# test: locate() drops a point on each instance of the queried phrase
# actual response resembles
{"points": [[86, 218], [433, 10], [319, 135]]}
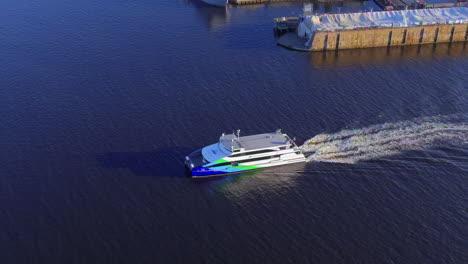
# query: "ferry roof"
{"points": [[260, 141]]}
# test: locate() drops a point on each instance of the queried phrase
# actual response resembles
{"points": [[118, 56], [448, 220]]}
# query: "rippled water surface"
{"points": [[101, 100]]}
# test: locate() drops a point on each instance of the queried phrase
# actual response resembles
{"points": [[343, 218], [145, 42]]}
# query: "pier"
{"points": [[390, 5], [223, 3], [249, 2]]}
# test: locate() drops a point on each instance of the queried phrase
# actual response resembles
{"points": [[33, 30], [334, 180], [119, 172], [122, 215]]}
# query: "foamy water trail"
{"points": [[354, 145]]}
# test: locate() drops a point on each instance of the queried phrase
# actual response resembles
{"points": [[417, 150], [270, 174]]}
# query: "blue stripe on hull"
{"points": [[202, 171], [207, 173]]}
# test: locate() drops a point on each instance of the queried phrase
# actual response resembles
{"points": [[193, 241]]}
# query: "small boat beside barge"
{"points": [[234, 153]]}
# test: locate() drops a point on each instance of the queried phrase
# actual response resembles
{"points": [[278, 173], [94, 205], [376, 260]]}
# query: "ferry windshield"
{"points": [[197, 159]]}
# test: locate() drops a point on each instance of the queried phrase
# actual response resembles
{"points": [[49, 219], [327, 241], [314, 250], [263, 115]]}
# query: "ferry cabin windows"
{"points": [[259, 151], [262, 158], [252, 153]]}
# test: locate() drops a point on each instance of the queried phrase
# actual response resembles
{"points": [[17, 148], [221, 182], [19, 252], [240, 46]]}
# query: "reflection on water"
{"points": [[214, 17], [275, 180], [384, 55]]}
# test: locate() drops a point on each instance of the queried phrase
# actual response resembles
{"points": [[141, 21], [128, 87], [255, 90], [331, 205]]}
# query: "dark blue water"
{"points": [[100, 100]]}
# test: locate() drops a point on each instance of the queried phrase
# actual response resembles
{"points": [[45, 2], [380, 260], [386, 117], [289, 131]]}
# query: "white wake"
{"points": [[354, 145]]}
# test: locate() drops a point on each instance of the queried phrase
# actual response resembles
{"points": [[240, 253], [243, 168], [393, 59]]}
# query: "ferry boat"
{"points": [[234, 153]]}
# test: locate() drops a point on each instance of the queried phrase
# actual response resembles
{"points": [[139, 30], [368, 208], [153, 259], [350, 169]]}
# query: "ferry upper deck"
{"points": [[260, 141]]}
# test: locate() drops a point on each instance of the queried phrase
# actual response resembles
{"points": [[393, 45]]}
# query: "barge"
{"points": [[379, 29]]}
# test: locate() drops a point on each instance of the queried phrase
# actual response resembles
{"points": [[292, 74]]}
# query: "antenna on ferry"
{"points": [[238, 133], [278, 131]]}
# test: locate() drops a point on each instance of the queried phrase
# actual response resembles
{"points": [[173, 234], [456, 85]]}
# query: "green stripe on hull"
{"points": [[239, 167], [242, 167]]}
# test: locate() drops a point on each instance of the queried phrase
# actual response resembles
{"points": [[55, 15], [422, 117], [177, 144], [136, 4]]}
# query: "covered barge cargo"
{"points": [[380, 29]]}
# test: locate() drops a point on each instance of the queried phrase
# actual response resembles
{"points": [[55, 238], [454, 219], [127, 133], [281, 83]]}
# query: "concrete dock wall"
{"points": [[386, 37]]}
